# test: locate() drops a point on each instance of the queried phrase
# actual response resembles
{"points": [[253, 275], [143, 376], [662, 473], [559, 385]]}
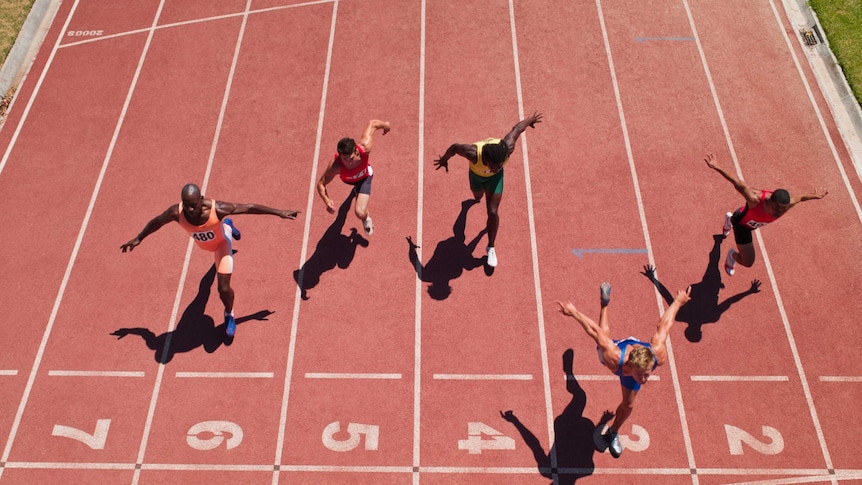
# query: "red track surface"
{"points": [[115, 116]]}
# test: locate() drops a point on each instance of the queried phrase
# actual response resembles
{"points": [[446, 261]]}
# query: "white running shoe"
{"points": [[730, 263], [728, 224], [368, 225], [492, 257]]}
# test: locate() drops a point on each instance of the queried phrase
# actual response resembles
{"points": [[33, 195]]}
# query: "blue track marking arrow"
{"points": [[580, 252], [671, 39]]}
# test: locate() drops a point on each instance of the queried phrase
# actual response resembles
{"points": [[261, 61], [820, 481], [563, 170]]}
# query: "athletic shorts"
{"points": [[741, 234], [363, 186], [489, 185]]}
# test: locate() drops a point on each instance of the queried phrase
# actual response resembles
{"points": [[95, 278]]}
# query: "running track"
{"points": [[365, 375]]}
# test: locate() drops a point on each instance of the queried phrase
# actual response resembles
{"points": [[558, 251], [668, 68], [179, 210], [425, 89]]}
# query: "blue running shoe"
{"points": [[231, 325], [233, 230]]}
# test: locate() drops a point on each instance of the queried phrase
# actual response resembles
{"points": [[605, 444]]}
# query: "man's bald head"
{"points": [[190, 194]]}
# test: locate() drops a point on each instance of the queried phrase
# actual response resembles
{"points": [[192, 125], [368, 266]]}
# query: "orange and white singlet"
{"points": [[209, 235]]}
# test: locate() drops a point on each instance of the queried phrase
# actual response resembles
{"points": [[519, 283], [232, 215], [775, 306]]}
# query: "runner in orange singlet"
{"points": [[205, 220]]}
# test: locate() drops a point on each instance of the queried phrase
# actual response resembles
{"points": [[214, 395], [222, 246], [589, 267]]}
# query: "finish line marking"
{"points": [[580, 252]]}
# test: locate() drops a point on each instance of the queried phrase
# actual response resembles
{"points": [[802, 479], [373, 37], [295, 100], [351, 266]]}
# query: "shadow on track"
{"points": [[704, 307], [194, 329], [451, 257], [573, 444], [333, 249]]}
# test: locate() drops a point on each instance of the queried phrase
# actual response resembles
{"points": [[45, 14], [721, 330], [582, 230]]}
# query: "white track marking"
{"points": [[484, 377], [840, 378], [765, 255], [534, 253], [95, 373], [187, 22], [294, 322], [333, 375], [417, 298], [8, 372], [224, 375], [603, 377], [145, 436], [816, 108], [740, 378], [32, 99], [81, 232], [689, 451]]}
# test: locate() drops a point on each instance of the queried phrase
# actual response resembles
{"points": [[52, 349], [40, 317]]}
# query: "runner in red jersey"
{"points": [[761, 207], [350, 163], [205, 221]]}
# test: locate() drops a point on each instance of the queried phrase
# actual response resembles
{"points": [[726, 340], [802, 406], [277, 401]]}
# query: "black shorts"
{"points": [[741, 234]]}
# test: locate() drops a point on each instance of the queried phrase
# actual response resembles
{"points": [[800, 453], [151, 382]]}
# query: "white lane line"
{"points": [[603, 377], [534, 253], [816, 108], [189, 22], [225, 375], [306, 231], [484, 377], [78, 241], [740, 378], [840, 378], [204, 184], [95, 373], [10, 372], [36, 89], [420, 196], [335, 375], [686, 435], [797, 360]]}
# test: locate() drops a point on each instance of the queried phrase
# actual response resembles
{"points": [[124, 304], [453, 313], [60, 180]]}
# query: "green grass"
{"points": [[842, 23], [12, 16]]}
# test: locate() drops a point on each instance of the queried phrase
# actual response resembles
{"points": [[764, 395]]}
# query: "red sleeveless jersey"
{"points": [[357, 173], [756, 216]]}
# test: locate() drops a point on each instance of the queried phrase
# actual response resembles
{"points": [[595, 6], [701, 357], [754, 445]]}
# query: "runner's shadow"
{"points": [[333, 249], [194, 329], [704, 307], [573, 445], [451, 257]]}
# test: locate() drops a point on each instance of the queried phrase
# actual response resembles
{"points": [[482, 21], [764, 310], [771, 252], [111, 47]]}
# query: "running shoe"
{"points": [[606, 293], [727, 224], [233, 230], [492, 256], [368, 225], [730, 263], [230, 325], [614, 445]]}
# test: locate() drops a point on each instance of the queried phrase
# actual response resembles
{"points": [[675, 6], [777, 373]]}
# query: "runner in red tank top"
{"points": [[350, 163], [761, 207], [205, 220]]}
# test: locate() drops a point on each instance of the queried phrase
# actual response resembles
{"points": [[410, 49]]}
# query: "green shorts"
{"points": [[489, 185]]}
